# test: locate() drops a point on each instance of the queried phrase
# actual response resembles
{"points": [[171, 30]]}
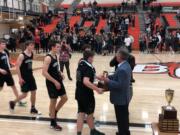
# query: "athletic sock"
{"points": [[53, 122], [32, 107]]}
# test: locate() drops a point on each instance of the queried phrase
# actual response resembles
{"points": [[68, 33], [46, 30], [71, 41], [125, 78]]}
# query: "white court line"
{"points": [[148, 130]]}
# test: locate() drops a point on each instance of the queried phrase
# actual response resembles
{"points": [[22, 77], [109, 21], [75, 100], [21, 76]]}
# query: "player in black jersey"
{"points": [[54, 83], [5, 73], [84, 93], [26, 78]]}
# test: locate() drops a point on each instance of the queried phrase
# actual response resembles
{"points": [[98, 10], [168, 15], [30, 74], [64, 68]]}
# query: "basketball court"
{"points": [[149, 96]]}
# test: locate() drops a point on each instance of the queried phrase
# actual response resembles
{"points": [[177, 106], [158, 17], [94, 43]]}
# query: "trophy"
{"points": [[169, 97], [168, 121], [105, 74], [102, 84]]}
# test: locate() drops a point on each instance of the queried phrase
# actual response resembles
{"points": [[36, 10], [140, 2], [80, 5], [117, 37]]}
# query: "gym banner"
{"points": [[171, 68]]}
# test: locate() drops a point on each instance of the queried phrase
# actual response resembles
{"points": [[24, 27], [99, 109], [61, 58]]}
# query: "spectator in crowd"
{"points": [[128, 42], [142, 42], [64, 58], [178, 14], [12, 42], [37, 43]]}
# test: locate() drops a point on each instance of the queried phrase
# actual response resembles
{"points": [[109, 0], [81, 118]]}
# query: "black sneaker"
{"points": [[12, 105], [57, 127], [70, 79], [35, 111], [96, 132]]}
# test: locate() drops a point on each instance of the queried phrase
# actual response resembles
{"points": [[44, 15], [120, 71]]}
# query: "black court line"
{"points": [[39, 118]]}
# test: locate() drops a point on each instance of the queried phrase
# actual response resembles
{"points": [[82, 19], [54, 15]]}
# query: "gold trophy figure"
{"points": [[169, 97]]}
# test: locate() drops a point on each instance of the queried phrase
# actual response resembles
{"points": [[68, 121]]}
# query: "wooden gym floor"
{"points": [[144, 108]]}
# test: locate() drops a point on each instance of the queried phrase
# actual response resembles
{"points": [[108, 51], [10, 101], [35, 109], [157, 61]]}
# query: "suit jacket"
{"points": [[119, 85]]}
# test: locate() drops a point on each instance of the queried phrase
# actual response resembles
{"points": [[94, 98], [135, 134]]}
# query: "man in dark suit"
{"points": [[131, 60], [120, 95]]}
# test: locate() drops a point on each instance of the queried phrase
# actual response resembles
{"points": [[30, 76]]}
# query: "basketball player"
{"points": [[84, 93], [54, 83], [5, 73], [85, 48], [26, 78]]}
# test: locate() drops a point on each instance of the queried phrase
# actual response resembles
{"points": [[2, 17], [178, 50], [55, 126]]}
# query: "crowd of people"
{"points": [[124, 6], [104, 41], [107, 40], [157, 38], [43, 19]]}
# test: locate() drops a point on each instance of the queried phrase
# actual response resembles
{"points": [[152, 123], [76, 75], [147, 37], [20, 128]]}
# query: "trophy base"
{"points": [[168, 121], [169, 112], [168, 125], [157, 131], [103, 86]]}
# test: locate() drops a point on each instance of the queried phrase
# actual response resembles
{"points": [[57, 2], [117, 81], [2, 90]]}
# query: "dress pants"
{"points": [[66, 64], [122, 116]]}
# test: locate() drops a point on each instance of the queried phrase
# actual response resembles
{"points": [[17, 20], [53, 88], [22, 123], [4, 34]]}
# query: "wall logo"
{"points": [[172, 68]]}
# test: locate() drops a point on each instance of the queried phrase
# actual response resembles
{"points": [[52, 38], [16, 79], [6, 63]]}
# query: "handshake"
{"points": [[102, 84]]}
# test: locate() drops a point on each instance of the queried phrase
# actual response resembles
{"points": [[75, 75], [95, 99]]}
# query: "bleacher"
{"points": [[73, 20], [166, 19], [50, 28], [170, 17]]}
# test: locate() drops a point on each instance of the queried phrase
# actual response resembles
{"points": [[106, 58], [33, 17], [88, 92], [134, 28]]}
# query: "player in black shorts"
{"points": [[5, 73], [26, 78], [54, 83], [84, 93]]}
